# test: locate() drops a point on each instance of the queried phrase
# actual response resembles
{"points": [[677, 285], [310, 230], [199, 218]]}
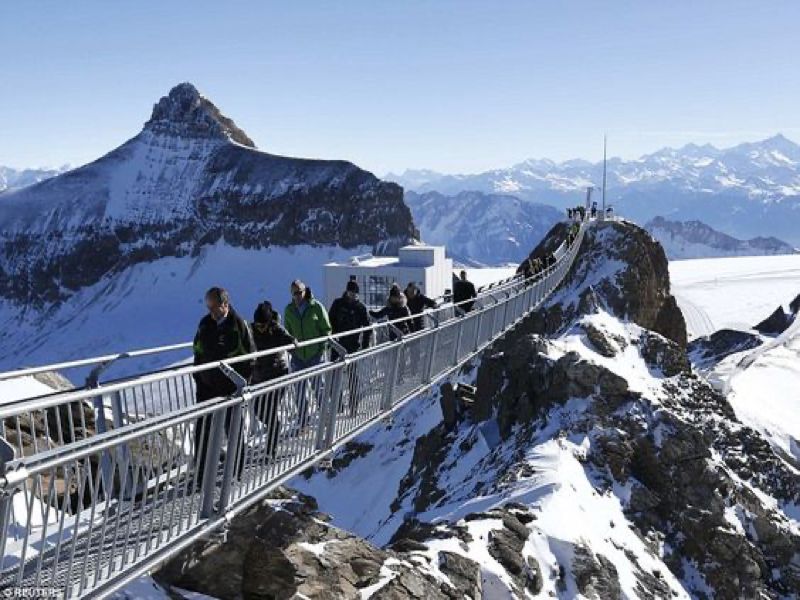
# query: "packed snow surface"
{"points": [[733, 293], [119, 313], [763, 385]]}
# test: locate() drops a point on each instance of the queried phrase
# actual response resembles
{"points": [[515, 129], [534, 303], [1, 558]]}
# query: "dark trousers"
{"points": [[304, 390], [267, 409], [202, 438]]}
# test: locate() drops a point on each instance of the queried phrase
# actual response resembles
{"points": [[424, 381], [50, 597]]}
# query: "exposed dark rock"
{"points": [[290, 551], [599, 341], [794, 305], [463, 572], [776, 323], [709, 350], [663, 354], [595, 575], [624, 270]]}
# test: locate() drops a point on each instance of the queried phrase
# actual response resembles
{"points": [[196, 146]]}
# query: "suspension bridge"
{"points": [[102, 484]]}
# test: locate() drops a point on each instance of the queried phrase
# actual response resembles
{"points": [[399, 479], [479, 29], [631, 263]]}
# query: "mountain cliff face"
{"points": [[481, 229], [619, 268], [189, 179], [749, 190], [693, 239]]}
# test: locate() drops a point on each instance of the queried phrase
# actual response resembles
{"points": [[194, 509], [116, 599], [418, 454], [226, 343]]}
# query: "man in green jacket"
{"points": [[305, 319]]}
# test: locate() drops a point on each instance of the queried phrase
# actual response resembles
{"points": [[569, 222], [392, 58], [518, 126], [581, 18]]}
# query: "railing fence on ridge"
{"points": [[87, 503]]}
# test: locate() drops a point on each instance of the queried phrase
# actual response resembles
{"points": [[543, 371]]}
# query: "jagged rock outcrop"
{"points": [[286, 549], [189, 179], [695, 239], [709, 350], [621, 268], [776, 323]]}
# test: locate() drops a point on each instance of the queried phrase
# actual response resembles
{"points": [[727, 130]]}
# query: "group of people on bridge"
{"points": [[223, 334]]}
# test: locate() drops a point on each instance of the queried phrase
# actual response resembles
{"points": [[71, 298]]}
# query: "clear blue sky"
{"points": [[454, 86]]}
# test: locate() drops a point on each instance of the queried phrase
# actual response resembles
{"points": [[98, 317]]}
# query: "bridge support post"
{"points": [[234, 452], [334, 400], [426, 374], [123, 451], [391, 376], [211, 466], [6, 498]]}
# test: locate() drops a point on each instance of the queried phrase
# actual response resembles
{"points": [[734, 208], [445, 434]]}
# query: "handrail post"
{"points": [[428, 369], [334, 400], [236, 447], [6, 497], [210, 468], [391, 376], [457, 345], [218, 421], [478, 332]]}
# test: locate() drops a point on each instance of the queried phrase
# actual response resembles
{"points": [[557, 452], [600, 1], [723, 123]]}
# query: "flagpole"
{"points": [[604, 175]]}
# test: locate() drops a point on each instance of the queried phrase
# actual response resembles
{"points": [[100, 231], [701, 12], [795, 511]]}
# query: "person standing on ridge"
{"points": [[463, 290], [222, 334]]}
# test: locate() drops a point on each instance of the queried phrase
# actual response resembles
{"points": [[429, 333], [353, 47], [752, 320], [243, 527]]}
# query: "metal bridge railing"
{"points": [[86, 504]]}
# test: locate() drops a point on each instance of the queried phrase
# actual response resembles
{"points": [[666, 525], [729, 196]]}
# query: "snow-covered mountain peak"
{"points": [[185, 112]]}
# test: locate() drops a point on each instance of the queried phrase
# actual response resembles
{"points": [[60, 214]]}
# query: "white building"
{"points": [[424, 265]]}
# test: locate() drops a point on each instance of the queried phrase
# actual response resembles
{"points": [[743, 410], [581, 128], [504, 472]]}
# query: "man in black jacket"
{"points": [[464, 289], [348, 313], [222, 334]]}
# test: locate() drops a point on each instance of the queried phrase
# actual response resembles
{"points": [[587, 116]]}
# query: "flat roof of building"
{"points": [[371, 261]]}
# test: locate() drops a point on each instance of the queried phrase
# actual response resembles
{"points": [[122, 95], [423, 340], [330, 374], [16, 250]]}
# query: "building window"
{"points": [[377, 290]]}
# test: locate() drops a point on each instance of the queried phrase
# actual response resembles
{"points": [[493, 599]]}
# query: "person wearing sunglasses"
{"points": [[222, 334], [305, 319]]}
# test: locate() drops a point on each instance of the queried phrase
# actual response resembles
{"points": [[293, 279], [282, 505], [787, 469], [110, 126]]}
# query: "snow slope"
{"points": [[762, 385], [156, 303], [734, 293], [548, 472]]}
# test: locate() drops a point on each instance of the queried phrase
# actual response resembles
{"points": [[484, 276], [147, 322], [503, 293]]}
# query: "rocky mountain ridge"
{"points": [[189, 179], [481, 229], [11, 179], [693, 239]]}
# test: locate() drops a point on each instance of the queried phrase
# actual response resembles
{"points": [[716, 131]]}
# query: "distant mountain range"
{"points": [[693, 239], [750, 190], [11, 178], [481, 229]]}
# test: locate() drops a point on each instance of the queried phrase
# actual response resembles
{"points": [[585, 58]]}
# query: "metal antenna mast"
{"points": [[604, 175]]}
